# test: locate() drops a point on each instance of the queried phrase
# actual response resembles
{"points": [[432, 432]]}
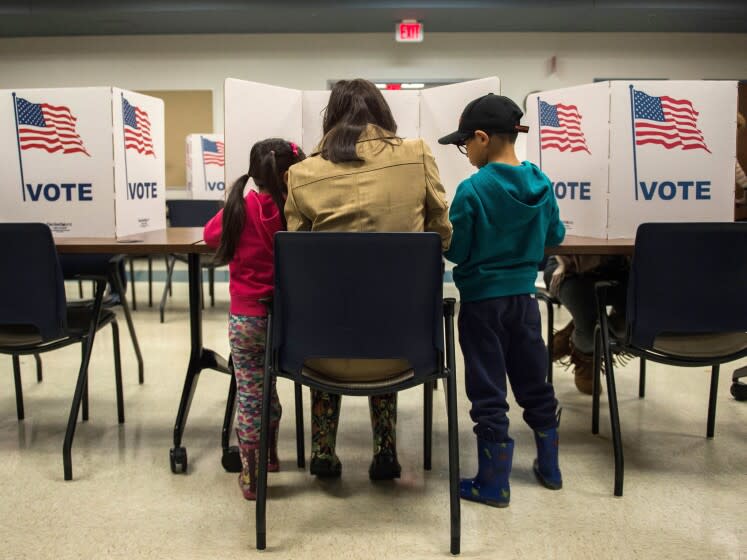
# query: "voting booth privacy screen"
{"points": [[89, 162], [255, 111], [206, 162], [627, 152]]}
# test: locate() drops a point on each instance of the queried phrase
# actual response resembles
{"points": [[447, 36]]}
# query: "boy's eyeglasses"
{"points": [[462, 148]]}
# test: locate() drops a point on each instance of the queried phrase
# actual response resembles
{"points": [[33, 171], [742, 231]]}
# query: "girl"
{"points": [[243, 234]]}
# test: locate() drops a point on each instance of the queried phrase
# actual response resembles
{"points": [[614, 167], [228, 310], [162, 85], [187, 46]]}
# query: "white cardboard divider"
{"points": [[571, 145], [650, 182], [253, 112], [440, 108], [65, 162], [206, 166], [430, 114], [670, 158]]}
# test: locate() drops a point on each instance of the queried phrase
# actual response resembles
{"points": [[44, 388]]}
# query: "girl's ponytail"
{"points": [[234, 217]]}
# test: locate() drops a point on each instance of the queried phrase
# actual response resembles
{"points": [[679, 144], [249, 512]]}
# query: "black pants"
{"points": [[502, 337]]}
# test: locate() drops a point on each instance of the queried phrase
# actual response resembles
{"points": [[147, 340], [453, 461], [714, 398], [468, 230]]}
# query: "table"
{"points": [[174, 240], [576, 245], [189, 241]]}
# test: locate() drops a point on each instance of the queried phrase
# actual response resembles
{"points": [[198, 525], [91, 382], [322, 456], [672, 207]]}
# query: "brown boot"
{"points": [[273, 463], [561, 342], [583, 371], [249, 470]]}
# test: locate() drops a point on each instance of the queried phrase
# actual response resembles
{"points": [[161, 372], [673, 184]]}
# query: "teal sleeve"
{"points": [[462, 217], [555, 229]]}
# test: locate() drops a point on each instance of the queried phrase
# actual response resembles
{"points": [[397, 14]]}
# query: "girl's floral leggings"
{"points": [[247, 338]]}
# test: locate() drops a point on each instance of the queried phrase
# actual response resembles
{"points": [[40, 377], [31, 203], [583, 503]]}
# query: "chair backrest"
{"points": [[358, 295], [687, 278], [192, 213], [32, 291]]}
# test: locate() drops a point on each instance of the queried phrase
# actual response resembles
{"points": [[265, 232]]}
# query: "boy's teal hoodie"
{"points": [[503, 216]]}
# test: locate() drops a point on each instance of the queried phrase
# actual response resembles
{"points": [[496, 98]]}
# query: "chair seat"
{"points": [[701, 345], [358, 373], [78, 322]]}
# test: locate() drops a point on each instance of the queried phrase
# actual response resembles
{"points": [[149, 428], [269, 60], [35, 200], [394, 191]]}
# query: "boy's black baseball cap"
{"points": [[491, 113]]}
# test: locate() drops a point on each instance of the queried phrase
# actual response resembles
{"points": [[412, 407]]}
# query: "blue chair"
{"points": [[685, 307], [361, 295], [189, 213], [35, 318]]}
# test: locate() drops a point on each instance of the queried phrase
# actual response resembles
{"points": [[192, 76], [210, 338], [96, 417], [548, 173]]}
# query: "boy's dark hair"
{"points": [[509, 137], [268, 161], [353, 105]]}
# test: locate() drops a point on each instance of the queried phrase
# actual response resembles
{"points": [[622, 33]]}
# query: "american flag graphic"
{"points": [[560, 128], [136, 129], [47, 127], [212, 152], [669, 122]]}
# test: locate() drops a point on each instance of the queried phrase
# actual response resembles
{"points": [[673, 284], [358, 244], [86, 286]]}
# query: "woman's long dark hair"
{"points": [[268, 162], [353, 105]]}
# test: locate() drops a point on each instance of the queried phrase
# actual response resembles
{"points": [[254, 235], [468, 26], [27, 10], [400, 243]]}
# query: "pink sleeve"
{"points": [[211, 233]]}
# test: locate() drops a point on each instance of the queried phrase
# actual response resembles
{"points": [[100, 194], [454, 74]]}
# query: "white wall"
{"points": [[521, 60]]}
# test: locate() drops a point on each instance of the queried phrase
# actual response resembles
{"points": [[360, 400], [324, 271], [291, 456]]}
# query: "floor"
{"points": [[684, 494]]}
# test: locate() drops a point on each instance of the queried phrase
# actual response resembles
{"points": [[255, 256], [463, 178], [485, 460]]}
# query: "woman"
{"points": [[363, 178]]}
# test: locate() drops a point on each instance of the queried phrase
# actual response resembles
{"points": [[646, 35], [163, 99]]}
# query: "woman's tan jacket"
{"points": [[395, 188]]}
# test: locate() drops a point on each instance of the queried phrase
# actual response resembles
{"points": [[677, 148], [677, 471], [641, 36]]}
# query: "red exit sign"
{"points": [[409, 31]]}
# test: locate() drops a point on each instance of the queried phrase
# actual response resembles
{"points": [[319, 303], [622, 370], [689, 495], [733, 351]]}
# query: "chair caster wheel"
{"points": [[178, 460], [231, 459], [739, 391]]}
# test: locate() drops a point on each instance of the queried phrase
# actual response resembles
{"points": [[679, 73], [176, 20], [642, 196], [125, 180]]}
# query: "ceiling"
{"points": [[34, 18]]}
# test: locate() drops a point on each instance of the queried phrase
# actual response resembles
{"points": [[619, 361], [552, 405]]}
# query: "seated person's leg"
{"points": [[576, 293], [325, 416], [384, 425]]}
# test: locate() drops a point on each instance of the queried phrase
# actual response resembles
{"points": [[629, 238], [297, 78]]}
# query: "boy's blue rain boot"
{"points": [[490, 486], [546, 467]]}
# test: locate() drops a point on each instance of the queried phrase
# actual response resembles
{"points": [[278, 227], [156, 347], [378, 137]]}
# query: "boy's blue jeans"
{"points": [[501, 338]]}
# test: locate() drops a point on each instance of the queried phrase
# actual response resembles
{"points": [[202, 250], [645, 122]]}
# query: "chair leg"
{"points": [[614, 415], [642, 378], [80, 289], [150, 282], [118, 373], [85, 410], [39, 375], [596, 380], [132, 283], [712, 401], [427, 424], [67, 445], [19, 387], [261, 507], [170, 260], [300, 451], [168, 282], [117, 282], [550, 337], [451, 406]]}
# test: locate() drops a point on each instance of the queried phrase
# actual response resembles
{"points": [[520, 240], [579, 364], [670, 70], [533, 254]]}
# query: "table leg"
{"points": [[200, 358]]}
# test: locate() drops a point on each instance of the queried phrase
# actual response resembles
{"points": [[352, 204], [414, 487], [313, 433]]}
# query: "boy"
{"points": [[503, 216]]}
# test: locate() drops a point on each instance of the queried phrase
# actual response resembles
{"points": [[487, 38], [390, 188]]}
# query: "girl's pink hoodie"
{"points": [[251, 269]]}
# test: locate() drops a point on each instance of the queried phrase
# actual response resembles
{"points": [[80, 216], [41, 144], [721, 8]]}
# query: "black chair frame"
{"points": [[80, 396], [446, 369], [604, 346]]}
